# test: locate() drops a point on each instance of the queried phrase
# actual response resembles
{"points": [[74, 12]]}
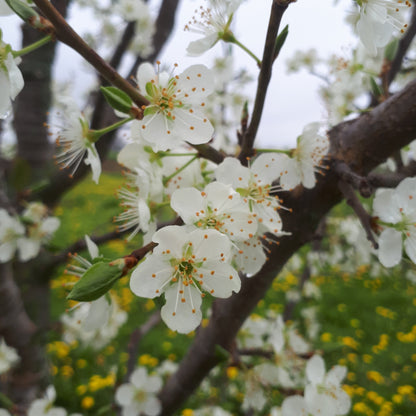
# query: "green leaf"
{"points": [[280, 41], [96, 281], [391, 49], [375, 88], [118, 99], [221, 353], [21, 8]]}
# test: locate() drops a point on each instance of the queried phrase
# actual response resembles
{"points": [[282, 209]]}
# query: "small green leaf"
{"points": [[280, 41], [22, 9], [391, 49], [375, 88], [96, 281], [118, 99], [221, 353]]}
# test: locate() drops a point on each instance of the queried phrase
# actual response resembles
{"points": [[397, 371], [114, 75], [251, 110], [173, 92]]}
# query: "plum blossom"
{"points": [[136, 197], [131, 10], [11, 79], [8, 357], [213, 23], [38, 233], [75, 140], [219, 207], [14, 236], [377, 21], [44, 406], [11, 234], [396, 211], [254, 184], [176, 103], [139, 395], [307, 159], [324, 395], [182, 266]]}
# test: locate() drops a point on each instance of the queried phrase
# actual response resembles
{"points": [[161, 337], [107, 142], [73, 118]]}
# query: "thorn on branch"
{"points": [[362, 214]]}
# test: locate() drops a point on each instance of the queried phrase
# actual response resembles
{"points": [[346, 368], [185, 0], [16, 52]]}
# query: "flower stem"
{"points": [[244, 48], [168, 178], [166, 154], [286, 152], [96, 134], [32, 47]]}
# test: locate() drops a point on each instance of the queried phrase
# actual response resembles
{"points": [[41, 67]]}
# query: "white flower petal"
{"points": [[294, 405], [390, 247], [150, 276], [125, 394], [315, 369], [181, 312], [92, 247], [230, 171], [219, 279]]}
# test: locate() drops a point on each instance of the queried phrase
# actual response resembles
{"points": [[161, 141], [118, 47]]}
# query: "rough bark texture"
{"points": [[363, 144], [19, 331]]}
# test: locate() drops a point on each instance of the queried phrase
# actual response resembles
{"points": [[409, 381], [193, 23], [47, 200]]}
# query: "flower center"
{"points": [[140, 396]]}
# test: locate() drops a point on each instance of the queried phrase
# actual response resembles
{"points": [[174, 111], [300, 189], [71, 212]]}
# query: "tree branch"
{"points": [[359, 210], [263, 81], [65, 33]]}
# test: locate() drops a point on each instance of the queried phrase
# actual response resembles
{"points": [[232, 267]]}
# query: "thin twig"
{"points": [[65, 33], [362, 214], [135, 338], [263, 80], [358, 182]]}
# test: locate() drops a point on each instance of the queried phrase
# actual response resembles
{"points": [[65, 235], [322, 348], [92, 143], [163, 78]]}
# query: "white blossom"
{"points": [[307, 159], [219, 207], [11, 234], [139, 395], [212, 22], [378, 19], [44, 406], [8, 357], [11, 79], [74, 142], [183, 266], [175, 113], [254, 184], [396, 210], [324, 395]]}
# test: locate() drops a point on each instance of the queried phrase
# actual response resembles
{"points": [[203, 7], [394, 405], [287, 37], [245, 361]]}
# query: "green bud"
{"points": [[118, 99], [97, 281], [391, 50], [280, 41], [22, 9]]}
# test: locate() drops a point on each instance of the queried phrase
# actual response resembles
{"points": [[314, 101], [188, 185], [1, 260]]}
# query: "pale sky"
{"points": [[292, 100]]}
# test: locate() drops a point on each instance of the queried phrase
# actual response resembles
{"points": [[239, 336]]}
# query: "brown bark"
{"points": [[19, 331]]}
